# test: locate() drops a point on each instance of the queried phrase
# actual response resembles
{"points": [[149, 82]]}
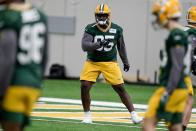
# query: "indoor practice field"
{"points": [[59, 108], [63, 46]]}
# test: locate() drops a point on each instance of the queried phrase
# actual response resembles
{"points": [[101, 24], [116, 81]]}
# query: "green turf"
{"points": [[100, 91], [71, 126]]}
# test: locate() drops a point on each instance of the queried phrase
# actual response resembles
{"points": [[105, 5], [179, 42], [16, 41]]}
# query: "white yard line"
{"points": [[95, 103]]}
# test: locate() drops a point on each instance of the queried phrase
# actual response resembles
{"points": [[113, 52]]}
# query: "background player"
{"points": [[191, 30], [168, 102], [27, 27]]}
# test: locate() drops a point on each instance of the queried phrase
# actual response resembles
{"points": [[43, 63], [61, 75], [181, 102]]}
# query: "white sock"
{"points": [[133, 113], [87, 114]]}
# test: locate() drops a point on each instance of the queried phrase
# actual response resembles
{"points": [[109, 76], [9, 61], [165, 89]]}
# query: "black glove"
{"points": [[161, 55], [105, 43], [193, 67], [126, 67]]}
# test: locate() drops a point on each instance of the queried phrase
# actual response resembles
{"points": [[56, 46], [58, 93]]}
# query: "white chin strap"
{"points": [[102, 22]]}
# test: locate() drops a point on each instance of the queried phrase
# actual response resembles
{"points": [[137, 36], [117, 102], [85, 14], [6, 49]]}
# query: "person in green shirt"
{"points": [[23, 30], [169, 100], [101, 41], [191, 30]]}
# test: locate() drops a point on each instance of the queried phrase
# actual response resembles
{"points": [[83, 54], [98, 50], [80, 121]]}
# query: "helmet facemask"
{"points": [[156, 22], [102, 19], [102, 16]]}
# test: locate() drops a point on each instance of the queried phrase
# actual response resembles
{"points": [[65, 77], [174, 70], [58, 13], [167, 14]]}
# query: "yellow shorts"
{"points": [[189, 84], [174, 107], [110, 70], [19, 101]]}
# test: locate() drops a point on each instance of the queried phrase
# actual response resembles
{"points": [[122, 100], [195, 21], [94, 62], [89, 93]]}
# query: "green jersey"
{"points": [[30, 25], [176, 38], [108, 53], [191, 35]]}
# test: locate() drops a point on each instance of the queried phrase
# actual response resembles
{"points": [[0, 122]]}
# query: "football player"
{"points": [[100, 40], [191, 30], [168, 102], [25, 28]]}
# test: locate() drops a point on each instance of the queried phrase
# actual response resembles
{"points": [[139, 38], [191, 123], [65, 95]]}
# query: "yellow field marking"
{"points": [[56, 106], [192, 120], [192, 125], [96, 116], [193, 115], [80, 114]]}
